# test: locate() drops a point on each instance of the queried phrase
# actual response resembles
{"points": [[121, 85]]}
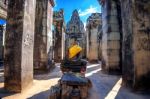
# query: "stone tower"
{"points": [[75, 32]]}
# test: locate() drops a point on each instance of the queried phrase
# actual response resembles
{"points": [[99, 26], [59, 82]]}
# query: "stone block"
{"points": [[111, 45], [110, 28]]}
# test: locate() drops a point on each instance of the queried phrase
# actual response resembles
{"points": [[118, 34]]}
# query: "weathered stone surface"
{"points": [[19, 42], [111, 36], [59, 35], [93, 26], [136, 48], [43, 35], [75, 32], [3, 9]]}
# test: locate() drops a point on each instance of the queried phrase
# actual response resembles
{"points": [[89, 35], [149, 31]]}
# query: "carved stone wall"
{"points": [[93, 25], [43, 35], [136, 42], [19, 40]]}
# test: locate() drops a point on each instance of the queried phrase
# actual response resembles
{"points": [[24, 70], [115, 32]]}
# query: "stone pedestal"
{"points": [[43, 35], [19, 40], [136, 43], [111, 37]]}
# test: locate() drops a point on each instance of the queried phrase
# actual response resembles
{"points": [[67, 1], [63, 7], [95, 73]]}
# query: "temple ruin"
{"points": [[75, 32], [119, 38]]}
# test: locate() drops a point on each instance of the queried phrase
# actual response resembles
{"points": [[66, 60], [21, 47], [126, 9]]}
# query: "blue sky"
{"points": [[2, 22], [84, 7]]}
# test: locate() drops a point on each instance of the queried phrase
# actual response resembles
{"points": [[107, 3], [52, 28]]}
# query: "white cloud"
{"points": [[79, 10], [90, 10]]}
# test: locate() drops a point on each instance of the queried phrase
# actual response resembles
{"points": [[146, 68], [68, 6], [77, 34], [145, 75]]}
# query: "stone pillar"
{"points": [[136, 42], [1, 43], [93, 47], [58, 43], [100, 42], [111, 36], [93, 24], [63, 44], [19, 40], [58, 21], [43, 35]]}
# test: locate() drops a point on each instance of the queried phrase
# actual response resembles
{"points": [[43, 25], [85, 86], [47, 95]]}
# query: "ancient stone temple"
{"points": [[43, 35], [111, 36], [59, 35], [75, 32], [93, 27]]}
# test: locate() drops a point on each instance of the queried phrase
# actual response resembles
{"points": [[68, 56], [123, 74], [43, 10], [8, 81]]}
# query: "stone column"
{"points": [[1, 43], [93, 25], [43, 35], [19, 39], [111, 36], [63, 44], [58, 38], [93, 45], [136, 42]]}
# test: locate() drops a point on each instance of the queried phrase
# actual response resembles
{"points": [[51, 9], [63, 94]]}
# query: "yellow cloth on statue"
{"points": [[74, 50]]}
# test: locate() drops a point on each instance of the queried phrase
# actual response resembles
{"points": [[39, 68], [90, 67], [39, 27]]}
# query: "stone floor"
{"points": [[104, 86]]}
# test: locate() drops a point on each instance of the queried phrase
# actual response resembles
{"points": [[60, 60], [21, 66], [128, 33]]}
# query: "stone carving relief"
{"points": [[28, 41], [142, 16]]}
